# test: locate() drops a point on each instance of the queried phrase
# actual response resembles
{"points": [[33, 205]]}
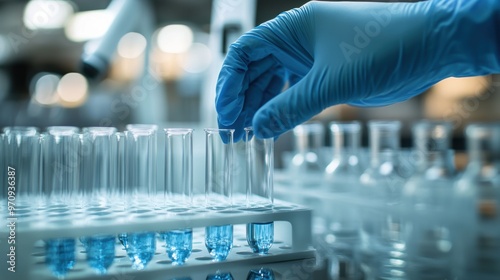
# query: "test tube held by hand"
{"points": [[260, 168]]}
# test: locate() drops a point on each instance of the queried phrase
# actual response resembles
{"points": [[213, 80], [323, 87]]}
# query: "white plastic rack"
{"points": [[291, 253]]}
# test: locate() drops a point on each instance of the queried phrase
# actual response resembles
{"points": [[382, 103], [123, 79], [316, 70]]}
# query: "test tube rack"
{"points": [[291, 250]]}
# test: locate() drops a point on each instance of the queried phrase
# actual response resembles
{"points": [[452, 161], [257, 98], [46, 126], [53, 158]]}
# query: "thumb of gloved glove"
{"points": [[364, 54]]}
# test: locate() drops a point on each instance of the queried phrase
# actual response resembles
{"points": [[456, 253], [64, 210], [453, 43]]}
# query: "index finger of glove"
{"points": [[234, 75]]}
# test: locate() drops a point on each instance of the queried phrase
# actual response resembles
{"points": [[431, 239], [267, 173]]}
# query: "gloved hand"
{"points": [[363, 54]]}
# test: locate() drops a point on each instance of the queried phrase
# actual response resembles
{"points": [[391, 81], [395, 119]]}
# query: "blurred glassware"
{"points": [[382, 249], [426, 201], [478, 195]]}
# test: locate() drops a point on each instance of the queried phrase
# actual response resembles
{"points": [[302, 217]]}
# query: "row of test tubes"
{"points": [[100, 167], [389, 213]]}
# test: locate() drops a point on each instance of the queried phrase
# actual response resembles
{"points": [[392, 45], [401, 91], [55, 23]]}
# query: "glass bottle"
{"points": [[341, 180], [426, 199], [381, 249], [478, 200], [306, 168]]}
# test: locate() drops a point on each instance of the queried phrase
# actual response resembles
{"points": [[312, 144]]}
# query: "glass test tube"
{"points": [[117, 172], [218, 192], [260, 168], [61, 164], [140, 188], [179, 189], [179, 166], [22, 152], [218, 167], [98, 163], [60, 171], [140, 159]]}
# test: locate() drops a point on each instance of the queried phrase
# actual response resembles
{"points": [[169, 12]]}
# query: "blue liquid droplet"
{"points": [[141, 248], [260, 237], [260, 274], [220, 276], [60, 255], [219, 241], [179, 244], [100, 252]]}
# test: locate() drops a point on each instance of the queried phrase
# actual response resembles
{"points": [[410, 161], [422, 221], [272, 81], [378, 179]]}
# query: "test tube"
{"points": [[218, 192], [179, 165], [22, 154], [260, 168], [60, 164], [140, 158], [179, 189], [98, 163], [117, 171], [219, 156], [140, 187]]}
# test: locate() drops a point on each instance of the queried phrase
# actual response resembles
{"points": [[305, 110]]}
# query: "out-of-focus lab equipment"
{"points": [[112, 165]]}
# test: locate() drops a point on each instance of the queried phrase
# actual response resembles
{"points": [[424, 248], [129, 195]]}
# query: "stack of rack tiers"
{"points": [[33, 224]]}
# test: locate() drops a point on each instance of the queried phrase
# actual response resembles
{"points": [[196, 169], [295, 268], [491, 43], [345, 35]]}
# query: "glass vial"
{"points": [[97, 164], [218, 189], [260, 168], [426, 201], [22, 152], [478, 200], [140, 188], [341, 180], [179, 189], [61, 164], [382, 247], [117, 172], [140, 157]]}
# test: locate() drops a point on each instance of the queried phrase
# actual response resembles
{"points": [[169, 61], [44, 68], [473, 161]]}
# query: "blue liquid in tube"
{"points": [[219, 241], [260, 237], [179, 244], [60, 255], [141, 248], [100, 252]]}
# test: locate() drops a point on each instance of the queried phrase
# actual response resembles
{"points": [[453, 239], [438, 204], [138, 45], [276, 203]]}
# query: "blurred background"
{"points": [[164, 65]]}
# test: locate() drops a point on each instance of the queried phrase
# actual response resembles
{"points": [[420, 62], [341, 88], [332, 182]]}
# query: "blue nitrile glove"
{"points": [[364, 54]]}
